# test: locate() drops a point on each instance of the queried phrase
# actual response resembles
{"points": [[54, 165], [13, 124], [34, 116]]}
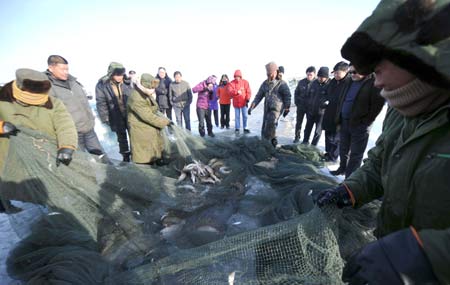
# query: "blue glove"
{"points": [[64, 156], [395, 259], [338, 196]]}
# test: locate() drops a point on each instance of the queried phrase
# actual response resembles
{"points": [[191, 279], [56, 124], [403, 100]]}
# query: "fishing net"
{"points": [[220, 211]]}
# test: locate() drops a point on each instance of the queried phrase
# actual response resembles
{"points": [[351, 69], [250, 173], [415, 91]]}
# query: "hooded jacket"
{"points": [[204, 94], [239, 100], [409, 164]]}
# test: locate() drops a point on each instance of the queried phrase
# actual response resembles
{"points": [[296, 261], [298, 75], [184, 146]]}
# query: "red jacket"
{"points": [[224, 96], [235, 87]]}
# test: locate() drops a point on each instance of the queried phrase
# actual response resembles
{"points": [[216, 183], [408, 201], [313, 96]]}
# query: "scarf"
{"points": [[35, 99], [415, 98]]}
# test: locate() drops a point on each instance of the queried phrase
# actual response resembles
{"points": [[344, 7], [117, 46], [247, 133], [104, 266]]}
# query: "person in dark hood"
{"points": [[111, 95], [406, 45]]}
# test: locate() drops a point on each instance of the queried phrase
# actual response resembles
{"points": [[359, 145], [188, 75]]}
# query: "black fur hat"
{"points": [[32, 81]]}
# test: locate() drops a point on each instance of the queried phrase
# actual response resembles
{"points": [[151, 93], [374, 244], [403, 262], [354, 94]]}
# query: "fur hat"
{"points": [[413, 34], [271, 67], [32, 81], [323, 72], [115, 68]]}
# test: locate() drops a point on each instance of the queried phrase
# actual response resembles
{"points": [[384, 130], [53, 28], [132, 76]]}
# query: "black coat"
{"points": [[301, 94], [162, 92], [316, 97], [367, 105], [334, 93], [108, 106]]}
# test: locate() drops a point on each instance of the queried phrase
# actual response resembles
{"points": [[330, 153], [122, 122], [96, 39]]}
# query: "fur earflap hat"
{"points": [[413, 34], [32, 81]]}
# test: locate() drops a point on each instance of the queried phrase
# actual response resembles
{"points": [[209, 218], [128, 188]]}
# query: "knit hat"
{"points": [[31, 86], [341, 65], [281, 69], [323, 72], [310, 69], [413, 34], [271, 67]]}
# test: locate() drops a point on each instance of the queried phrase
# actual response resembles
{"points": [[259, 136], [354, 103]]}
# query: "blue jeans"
{"points": [[237, 117]]}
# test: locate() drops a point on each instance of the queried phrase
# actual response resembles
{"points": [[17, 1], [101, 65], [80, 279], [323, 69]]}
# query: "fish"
{"points": [[198, 172]]}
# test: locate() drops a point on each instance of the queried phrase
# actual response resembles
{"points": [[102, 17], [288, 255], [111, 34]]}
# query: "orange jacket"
{"points": [[224, 96], [235, 87]]}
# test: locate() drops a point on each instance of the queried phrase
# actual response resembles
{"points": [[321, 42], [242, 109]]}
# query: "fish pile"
{"points": [[199, 172]]}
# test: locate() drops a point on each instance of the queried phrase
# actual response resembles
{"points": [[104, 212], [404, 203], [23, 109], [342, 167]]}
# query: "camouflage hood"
{"points": [[413, 34]]}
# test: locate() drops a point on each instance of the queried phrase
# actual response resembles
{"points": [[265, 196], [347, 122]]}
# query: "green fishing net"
{"points": [[254, 223]]}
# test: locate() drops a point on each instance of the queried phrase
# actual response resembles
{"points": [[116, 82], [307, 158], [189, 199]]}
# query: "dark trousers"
{"points": [[216, 117], [298, 126], [225, 115], [122, 139], [312, 120], [89, 142], [181, 113], [167, 111], [353, 143], [332, 144], [204, 115]]}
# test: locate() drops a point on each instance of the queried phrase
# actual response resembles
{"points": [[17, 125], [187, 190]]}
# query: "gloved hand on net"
{"points": [[8, 129], [338, 196], [171, 123], [64, 156], [285, 113], [397, 258]]}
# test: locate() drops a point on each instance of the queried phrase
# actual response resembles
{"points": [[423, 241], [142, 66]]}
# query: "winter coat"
{"points": [[203, 95], [409, 167], [316, 97], [301, 93], [145, 122], [52, 119], [180, 94], [223, 95], [367, 105], [277, 94], [72, 93], [334, 93], [162, 92], [213, 105], [239, 100], [278, 98], [108, 105]]}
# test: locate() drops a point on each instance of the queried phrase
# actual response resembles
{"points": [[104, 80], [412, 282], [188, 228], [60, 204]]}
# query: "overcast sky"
{"points": [[198, 38]]}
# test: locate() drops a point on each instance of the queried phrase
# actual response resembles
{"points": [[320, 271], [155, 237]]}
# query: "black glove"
{"points": [[64, 156], [338, 196], [285, 113], [249, 111], [395, 259], [171, 123], [9, 129]]}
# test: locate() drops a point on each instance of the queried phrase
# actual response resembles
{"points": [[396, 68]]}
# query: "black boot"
{"points": [[274, 142], [126, 156], [339, 171]]}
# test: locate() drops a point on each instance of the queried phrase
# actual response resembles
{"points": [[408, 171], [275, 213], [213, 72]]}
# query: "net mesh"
{"points": [[221, 211]]}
